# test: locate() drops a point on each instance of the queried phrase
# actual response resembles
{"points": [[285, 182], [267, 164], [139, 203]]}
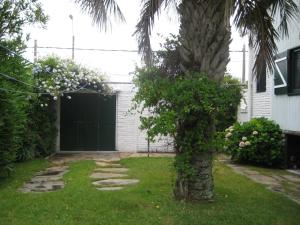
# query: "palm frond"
{"points": [[143, 28], [287, 9], [101, 11], [256, 18]]}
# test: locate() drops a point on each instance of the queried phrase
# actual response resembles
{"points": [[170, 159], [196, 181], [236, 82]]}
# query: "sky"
{"points": [[118, 66]]}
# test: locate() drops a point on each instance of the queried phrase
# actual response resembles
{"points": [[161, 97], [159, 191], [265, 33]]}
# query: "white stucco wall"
{"points": [[129, 138]]}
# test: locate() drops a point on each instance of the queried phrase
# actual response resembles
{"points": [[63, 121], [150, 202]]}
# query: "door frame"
{"points": [[58, 125]]}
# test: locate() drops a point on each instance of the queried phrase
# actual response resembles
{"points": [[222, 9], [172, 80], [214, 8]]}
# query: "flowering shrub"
{"points": [[57, 77], [258, 141]]}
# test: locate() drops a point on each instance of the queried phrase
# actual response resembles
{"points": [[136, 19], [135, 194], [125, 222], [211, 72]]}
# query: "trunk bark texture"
{"points": [[204, 38]]}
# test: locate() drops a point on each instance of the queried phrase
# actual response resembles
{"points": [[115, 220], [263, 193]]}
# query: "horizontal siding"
{"points": [[283, 109], [286, 109], [286, 112], [260, 102]]}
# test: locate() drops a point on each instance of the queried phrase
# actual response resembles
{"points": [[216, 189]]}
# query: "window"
{"points": [[294, 72], [261, 80]]}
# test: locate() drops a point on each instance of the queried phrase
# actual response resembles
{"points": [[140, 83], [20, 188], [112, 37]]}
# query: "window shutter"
{"points": [[280, 74]]}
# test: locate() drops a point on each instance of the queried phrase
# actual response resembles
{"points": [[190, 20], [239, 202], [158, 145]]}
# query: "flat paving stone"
{"points": [[105, 164], [42, 186], [107, 175], [52, 171], [292, 178], [112, 170], [264, 179], [110, 188], [116, 182], [113, 160], [251, 172], [45, 178]]}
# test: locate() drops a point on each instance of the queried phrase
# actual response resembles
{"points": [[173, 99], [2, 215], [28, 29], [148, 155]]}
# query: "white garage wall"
{"points": [[129, 138]]}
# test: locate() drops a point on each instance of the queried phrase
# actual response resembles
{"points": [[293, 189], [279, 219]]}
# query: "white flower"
{"points": [[255, 132], [228, 135], [242, 144], [231, 129], [244, 139], [42, 105], [46, 104], [54, 98], [247, 143], [69, 97]]}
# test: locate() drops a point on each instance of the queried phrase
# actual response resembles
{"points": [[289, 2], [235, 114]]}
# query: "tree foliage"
{"points": [[15, 104], [14, 15]]}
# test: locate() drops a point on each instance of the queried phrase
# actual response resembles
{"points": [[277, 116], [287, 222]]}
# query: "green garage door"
{"points": [[88, 123]]}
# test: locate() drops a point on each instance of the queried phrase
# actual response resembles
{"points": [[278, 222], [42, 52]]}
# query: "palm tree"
{"points": [[204, 46]]}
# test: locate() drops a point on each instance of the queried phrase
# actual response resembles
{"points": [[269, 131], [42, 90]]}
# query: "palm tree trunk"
{"points": [[199, 187], [204, 38]]}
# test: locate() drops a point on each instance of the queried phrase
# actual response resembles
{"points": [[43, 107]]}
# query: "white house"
{"points": [[93, 122], [277, 95]]}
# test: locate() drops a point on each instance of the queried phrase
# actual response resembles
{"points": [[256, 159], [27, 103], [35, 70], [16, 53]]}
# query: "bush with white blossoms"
{"points": [[57, 77], [258, 142]]}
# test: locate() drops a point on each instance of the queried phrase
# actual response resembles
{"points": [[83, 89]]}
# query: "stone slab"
{"points": [[106, 164], [113, 160], [42, 186], [292, 178], [116, 182], [45, 178], [112, 170], [110, 188], [264, 180], [99, 175]]}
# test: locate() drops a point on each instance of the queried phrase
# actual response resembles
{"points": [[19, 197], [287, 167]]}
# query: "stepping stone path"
{"points": [[286, 184], [111, 176], [46, 181]]}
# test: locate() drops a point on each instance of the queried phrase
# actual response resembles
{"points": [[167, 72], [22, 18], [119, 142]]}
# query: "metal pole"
{"points": [[73, 36], [148, 145], [244, 64], [35, 51], [73, 47]]}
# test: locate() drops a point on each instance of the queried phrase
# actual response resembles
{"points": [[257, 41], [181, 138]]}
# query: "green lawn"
{"points": [[238, 200]]}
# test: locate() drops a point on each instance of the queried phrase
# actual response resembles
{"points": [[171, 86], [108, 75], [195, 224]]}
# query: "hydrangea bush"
{"points": [[259, 141]]}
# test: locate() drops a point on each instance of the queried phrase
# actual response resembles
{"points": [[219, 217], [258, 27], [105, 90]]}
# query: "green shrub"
{"points": [[258, 142], [14, 106], [231, 96]]}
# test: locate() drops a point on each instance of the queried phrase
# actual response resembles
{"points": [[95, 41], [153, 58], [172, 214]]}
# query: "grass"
{"points": [[238, 200]]}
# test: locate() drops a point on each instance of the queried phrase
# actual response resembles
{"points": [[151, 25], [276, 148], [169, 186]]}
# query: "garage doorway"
{"points": [[88, 122]]}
